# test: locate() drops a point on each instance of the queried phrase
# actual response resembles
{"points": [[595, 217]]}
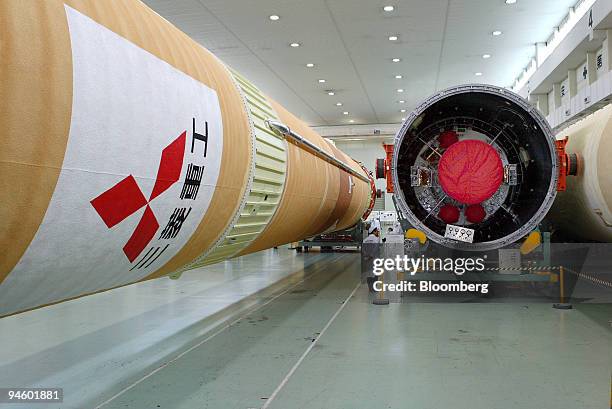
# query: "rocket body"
{"points": [[588, 197], [130, 152]]}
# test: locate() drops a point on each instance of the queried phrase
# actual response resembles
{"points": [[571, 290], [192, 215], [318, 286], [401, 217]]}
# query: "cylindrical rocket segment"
{"points": [[584, 210], [475, 167], [129, 152]]}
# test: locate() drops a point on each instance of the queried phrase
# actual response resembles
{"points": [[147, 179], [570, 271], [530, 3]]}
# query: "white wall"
{"points": [[367, 151]]}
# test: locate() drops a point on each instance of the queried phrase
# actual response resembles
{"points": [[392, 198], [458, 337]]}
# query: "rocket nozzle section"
{"points": [[501, 181]]}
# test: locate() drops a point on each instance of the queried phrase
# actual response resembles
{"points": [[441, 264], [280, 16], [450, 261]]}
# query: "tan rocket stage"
{"points": [[129, 152], [584, 211]]}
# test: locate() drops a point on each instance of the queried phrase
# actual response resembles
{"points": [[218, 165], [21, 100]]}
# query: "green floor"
{"points": [[417, 355]]}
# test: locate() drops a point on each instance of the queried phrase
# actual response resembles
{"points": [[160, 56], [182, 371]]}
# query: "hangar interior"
{"points": [[320, 134]]}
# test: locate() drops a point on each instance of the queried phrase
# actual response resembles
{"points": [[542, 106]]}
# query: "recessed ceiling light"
{"points": [[403, 119], [294, 45], [351, 120], [399, 77], [510, 1], [400, 90], [388, 8], [392, 38], [496, 33], [309, 65], [338, 104], [401, 101], [274, 17], [331, 93], [486, 56], [478, 74], [402, 110], [396, 60], [345, 113], [321, 81]]}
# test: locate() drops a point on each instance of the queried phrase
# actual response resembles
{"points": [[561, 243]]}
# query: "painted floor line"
{"points": [[299, 361], [219, 331]]}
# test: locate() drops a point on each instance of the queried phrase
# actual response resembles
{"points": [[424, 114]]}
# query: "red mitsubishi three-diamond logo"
{"points": [[125, 198]]}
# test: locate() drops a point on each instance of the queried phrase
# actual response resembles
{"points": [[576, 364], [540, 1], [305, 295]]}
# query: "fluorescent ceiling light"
{"points": [[478, 74], [321, 81], [338, 104], [486, 56], [496, 33], [400, 90], [309, 65], [392, 38], [274, 17], [399, 77], [396, 60], [345, 113], [388, 8], [294, 45]]}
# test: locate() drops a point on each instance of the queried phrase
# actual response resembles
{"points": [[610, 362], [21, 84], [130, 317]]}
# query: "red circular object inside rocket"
{"points": [[475, 213], [470, 171], [449, 214], [447, 138]]}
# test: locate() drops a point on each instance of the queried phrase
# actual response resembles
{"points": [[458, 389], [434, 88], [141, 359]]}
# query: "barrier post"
{"points": [[380, 297], [562, 305]]}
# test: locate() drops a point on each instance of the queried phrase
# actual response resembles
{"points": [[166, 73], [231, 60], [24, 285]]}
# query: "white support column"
{"points": [[542, 103], [591, 68], [607, 49], [572, 83], [557, 94]]}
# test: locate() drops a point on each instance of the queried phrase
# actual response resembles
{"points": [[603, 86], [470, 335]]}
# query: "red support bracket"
{"points": [[568, 164], [383, 166], [373, 194]]}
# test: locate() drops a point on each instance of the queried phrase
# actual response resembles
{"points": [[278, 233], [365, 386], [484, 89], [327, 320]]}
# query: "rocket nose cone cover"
{"points": [[470, 171]]}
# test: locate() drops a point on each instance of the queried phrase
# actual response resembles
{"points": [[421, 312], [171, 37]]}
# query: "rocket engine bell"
{"points": [[475, 167]]}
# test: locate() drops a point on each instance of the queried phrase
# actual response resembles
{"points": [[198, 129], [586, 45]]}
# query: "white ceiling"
{"points": [[441, 43]]}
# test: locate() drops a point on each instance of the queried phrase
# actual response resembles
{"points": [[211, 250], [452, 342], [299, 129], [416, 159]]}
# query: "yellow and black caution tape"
{"points": [[529, 268], [585, 276]]}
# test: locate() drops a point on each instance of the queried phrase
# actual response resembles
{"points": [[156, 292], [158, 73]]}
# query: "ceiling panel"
{"points": [[441, 43]]}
